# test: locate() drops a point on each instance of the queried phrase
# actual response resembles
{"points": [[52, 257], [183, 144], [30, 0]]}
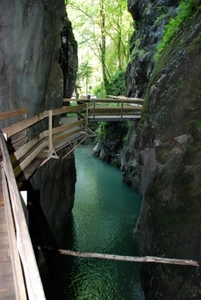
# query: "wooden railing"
{"points": [[26, 275], [112, 108], [47, 143]]}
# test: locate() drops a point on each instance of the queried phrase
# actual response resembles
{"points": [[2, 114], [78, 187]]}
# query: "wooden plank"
{"points": [[113, 100], [99, 118], [114, 109], [7, 290], [68, 126], [22, 125], [69, 140], [125, 99], [18, 154], [31, 273], [30, 156], [68, 109], [145, 259], [12, 113], [31, 168], [16, 264], [65, 135]]}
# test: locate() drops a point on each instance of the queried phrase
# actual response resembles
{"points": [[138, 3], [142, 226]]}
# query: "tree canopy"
{"points": [[102, 30]]}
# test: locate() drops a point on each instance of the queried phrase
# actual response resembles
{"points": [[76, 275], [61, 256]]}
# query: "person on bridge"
{"points": [[88, 96]]}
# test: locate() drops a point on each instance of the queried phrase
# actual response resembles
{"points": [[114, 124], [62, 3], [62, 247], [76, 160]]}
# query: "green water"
{"points": [[104, 216]]}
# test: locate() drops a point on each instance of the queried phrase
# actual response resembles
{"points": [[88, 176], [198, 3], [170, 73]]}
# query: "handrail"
{"points": [[23, 125], [30, 269], [47, 139], [110, 99], [125, 108], [13, 113], [27, 279]]}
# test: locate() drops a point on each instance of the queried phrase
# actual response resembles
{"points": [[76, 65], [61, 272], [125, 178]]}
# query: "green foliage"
{"points": [[102, 30], [162, 16], [137, 52], [84, 74], [99, 91], [116, 86], [186, 10], [101, 131]]}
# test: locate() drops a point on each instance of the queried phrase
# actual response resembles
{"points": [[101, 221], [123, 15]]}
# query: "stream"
{"points": [[104, 216]]}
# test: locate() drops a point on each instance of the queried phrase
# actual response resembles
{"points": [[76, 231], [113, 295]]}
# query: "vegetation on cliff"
{"points": [[186, 10]]}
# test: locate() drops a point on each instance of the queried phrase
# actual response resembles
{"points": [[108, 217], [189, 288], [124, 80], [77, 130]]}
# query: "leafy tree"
{"points": [[84, 74], [102, 31]]}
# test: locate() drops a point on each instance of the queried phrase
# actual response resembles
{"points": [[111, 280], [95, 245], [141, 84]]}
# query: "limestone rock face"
{"points": [[31, 77], [167, 151]]}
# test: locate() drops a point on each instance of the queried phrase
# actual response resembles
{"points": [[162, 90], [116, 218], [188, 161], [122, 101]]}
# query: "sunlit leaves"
{"points": [[102, 29]]}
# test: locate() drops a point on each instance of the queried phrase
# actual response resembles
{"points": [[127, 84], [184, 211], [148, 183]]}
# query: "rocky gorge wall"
{"points": [[38, 64], [165, 147]]}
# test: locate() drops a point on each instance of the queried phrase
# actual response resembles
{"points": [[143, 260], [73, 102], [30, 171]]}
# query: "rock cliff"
{"points": [[166, 143], [110, 143], [36, 45]]}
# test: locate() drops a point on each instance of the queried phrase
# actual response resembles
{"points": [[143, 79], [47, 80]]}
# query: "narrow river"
{"points": [[104, 216]]}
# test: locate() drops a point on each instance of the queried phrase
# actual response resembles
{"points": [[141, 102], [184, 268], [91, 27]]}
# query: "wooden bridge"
{"points": [[111, 109], [20, 158]]}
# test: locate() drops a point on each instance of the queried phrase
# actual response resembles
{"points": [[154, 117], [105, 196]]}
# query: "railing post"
{"points": [[121, 109], [94, 108], [51, 151], [50, 130], [87, 115]]}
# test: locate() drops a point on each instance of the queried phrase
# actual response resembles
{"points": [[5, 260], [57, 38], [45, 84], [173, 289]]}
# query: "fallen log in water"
{"points": [[154, 259]]}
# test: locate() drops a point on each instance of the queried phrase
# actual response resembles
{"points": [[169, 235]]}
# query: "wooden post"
{"points": [[86, 116], [52, 152], [121, 109], [50, 130], [94, 106]]}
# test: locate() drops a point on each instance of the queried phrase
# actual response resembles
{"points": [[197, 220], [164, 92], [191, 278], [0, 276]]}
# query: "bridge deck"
{"points": [[113, 118], [7, 290]]}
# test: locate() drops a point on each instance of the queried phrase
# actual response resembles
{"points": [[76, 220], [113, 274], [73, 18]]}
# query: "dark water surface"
{"points": [[104, 216]]}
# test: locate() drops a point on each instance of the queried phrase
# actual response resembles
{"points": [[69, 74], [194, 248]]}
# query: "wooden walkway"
{"points": [[19, 275], [7, 290], [110, 109]]}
